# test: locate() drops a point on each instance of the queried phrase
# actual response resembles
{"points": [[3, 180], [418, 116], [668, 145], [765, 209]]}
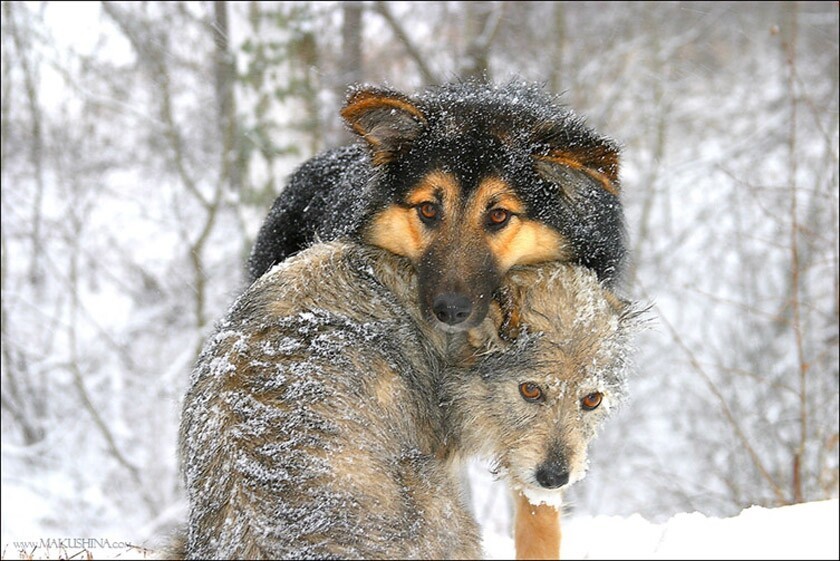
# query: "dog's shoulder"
{"points": [[341, 276]]}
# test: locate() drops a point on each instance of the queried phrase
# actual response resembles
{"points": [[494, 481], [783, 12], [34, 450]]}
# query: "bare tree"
{"points": [[352, 68], [411, 49], [481, 23], [225, 72], [152, 47], [29, 69]]}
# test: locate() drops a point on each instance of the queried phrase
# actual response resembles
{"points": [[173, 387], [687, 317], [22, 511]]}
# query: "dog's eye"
{"points": [[531, 392], [591, 401], [497, 218], [428, 212]]}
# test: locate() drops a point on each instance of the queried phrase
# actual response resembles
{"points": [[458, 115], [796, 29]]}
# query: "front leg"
{"points": [[536, 529]]}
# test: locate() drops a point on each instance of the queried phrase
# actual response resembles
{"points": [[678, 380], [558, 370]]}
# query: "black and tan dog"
{"points": [[327, 419], [464, 180]]}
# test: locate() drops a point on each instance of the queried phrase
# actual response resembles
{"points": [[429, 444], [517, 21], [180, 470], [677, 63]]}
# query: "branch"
{"points": [[491, 28], [796, 321], [727, 412], [411, 49], [154, 60], [76, 372], [36, 148], [113, 448]]}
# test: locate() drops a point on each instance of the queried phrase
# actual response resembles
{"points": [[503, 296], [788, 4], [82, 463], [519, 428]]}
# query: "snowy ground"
{"points": [[803, 531]]}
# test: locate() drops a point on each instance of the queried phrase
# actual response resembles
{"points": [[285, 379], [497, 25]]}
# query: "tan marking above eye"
{"points": [[400, 229], [494, 192], [437, 186], [521, 241]]}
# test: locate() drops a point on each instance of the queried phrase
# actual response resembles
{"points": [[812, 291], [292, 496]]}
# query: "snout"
{"points": [[457, 277], [451, 308], [552, 475]]}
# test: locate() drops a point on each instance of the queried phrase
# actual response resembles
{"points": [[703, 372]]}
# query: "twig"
{"points": [[796, 324], [727, 412], [411, 49]]}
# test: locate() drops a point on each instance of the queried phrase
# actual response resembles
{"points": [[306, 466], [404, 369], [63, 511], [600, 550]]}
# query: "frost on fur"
{"points": [[325, 419]]}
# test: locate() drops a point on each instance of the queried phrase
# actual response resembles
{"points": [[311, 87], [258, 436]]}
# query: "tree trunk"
{"points": [[480, 26], [225, 74]]}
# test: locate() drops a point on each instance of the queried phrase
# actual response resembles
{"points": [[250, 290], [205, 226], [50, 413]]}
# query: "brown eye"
{"points": [[591, 401], [497, 218], [531, 392], [428, 212]]}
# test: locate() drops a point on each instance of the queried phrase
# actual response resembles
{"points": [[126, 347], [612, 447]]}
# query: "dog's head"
{"points": [[472, 180], [534, 403]]}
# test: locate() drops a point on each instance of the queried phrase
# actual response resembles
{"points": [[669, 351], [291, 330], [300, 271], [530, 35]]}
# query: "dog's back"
{"points": [[323, 200], [309, 428]]}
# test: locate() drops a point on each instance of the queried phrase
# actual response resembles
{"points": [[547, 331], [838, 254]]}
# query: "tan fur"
{"points": [[575, 336], [364, 100], [523, 241], [294, 452], [398, 230], [174, 549], [605, 172], [526, 242], [493, 192], [361, 111], [536, 530], [437, 186]]}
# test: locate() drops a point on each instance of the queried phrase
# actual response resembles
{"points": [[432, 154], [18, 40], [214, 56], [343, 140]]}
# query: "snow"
{"points": [[803, 531]]}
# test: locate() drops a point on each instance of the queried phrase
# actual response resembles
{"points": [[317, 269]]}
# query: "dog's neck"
{"points": [[450, 355]]}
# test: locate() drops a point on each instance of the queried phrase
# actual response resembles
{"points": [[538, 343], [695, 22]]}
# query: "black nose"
{"points": [[552, 476], [452, 308]]}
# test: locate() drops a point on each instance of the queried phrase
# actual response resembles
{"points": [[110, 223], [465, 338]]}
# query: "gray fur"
{"points": [[326, 420]]}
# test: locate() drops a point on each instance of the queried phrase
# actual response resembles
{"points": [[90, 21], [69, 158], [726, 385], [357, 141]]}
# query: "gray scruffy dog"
{"points": [[325, 419]]}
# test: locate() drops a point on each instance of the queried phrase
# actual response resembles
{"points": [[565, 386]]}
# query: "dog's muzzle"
{"points": [[452, 308]]}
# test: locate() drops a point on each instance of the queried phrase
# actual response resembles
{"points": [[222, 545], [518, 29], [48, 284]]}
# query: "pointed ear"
{"points": [[387, 120], [598, 162]]}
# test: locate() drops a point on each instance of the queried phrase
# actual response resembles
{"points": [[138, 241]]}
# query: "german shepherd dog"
{"points": [[326, 417], [466, 181]]}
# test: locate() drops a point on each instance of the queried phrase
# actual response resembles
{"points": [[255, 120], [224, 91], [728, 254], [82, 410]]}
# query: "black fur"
{"points": [[471, 130]]}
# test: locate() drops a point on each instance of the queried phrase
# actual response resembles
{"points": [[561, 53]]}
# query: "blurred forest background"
{"points": [[143, 143]]}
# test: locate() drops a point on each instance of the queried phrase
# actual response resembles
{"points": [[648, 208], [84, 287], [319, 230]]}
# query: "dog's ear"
{"points": [[388, 120], [598, 161]]}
